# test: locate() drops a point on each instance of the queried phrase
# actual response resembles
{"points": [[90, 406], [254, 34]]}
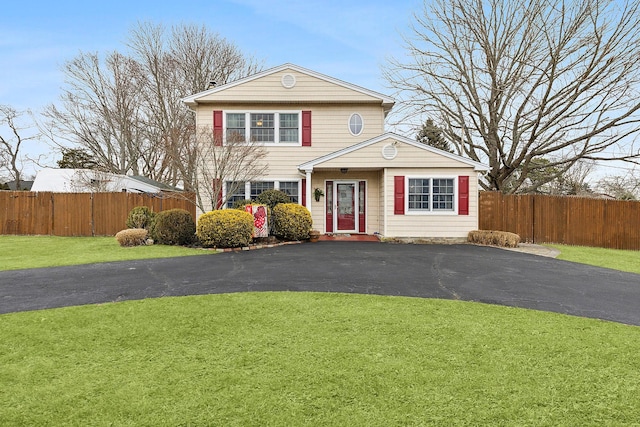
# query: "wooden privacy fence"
{"points": [[563, 219], [79, 214]]}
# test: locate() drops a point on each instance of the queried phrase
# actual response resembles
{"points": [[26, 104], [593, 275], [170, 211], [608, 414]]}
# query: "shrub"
{"points": [[173, 227], [227, 228], [291, 221], [496, 238], [140, 217], [132, 237], [272, 198]]}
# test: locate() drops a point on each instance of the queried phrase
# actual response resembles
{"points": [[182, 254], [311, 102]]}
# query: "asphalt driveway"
{"points": [[464, 272]]}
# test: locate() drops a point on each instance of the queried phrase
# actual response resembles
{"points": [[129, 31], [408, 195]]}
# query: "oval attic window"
{"points": [[355, 124]]}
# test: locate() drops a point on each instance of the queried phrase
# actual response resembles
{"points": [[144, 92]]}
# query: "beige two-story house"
{"points": [[328, 149]]}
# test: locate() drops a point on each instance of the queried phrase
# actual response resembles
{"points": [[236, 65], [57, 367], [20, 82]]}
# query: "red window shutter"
{"points": [[398, 195], [217, 187], [463, 195], [304, 192], [306, 128], [217, 127]]}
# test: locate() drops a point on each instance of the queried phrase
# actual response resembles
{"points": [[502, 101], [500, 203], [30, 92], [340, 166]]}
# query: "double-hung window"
{"points": [[236, 127], [237, 191], [265, 127], [430, 194], [291, 188], [251, 190], [257, 187]]}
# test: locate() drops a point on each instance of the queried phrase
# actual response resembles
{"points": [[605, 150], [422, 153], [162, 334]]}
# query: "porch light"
{"points": [[344, 170]]}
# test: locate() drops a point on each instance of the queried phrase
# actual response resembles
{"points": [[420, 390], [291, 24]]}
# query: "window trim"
{"points": [[276, 129], [276, 186], [431, 211]]}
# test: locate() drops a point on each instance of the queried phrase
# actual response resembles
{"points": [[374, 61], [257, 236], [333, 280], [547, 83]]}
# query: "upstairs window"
{"points": [[264, 127], [235, 127], [289, 129]]}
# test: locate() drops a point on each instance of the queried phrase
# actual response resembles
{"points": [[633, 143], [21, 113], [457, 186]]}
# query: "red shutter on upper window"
{"points": [[217, 127], [306, 128], [304, 192], [463, 195], [398, 195], [217, 188]]}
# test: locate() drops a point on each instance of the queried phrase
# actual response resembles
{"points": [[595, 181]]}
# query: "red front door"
{"points": [[346, 206]]}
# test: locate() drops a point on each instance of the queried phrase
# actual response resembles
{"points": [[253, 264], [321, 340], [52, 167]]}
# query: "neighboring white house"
{"points": [[326, 137], [91, 181]]}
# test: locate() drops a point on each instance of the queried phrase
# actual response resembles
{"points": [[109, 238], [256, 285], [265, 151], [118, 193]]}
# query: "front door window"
{"points": [[346, 206]]}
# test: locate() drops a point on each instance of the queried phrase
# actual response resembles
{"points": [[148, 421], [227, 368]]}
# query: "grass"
{"points": [[616, 259], [271, 359], [20, 252]]}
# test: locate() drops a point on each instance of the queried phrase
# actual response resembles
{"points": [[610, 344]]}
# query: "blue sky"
{"points": [[347, 40]]}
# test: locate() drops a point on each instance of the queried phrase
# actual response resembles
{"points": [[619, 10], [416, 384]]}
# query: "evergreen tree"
{"points": [[430, 134]]}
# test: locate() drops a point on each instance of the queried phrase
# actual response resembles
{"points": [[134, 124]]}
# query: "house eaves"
{"points": [[309, 166], [386, 101]]}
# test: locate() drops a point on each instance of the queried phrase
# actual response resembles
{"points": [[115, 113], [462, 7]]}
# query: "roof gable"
{"points": [[418, 153], [289, 83]]}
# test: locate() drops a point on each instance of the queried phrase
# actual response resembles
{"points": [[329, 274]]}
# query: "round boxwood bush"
{"points": [[227, 228], [140, 217], [291, 221], [173, 227], [272, 198]]}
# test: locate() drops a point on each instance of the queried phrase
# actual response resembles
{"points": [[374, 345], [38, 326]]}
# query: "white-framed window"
{"points": [[237, 191], [292, 189], [251, 190], [356, 124], [257, 187], [430, 194], [268, 127], [236, 126]]}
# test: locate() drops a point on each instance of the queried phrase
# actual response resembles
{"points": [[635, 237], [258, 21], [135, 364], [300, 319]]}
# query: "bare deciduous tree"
{"points": [[624, 187], [514, 81], [126, 111], [235, 162], [101, 111], [11, 142]]}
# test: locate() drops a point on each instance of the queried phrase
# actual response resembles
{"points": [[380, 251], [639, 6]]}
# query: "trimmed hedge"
{"points": [[227, 228], [495, 238], [140, 217], [173, 227], [132, 237], [291, 221]]}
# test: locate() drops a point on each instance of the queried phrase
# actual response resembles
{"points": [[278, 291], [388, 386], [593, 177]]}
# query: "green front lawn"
{"points": [[610, 258], [275, 359], [20, 252]]}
